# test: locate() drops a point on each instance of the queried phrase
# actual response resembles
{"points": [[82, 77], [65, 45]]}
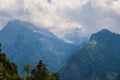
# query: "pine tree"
{"points": [[40, 72]]}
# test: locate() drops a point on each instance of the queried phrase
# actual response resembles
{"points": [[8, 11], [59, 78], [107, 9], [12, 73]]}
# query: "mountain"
{"points": [[25, 43], [97, 60], [74, 37]]}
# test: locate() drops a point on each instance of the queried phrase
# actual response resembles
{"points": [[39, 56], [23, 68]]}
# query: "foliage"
{"points": [[41, 73], [55, 76], [112, 76], [94, 77], [26, 69], [8, 71]]}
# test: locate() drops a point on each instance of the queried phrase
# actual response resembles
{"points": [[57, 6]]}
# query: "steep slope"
{"points": [[25, 43], [97, 60]]}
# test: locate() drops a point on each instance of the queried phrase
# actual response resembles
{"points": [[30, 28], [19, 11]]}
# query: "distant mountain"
{"points": [[99, 59], [25, 43], [75, 38]]}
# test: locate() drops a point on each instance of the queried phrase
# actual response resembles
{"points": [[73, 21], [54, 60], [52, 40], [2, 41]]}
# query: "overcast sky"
{"points": [[80, 17]]}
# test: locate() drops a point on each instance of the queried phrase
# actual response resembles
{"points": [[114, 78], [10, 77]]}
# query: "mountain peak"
{"points": [[18, 25], [106, 37], [23, 27], [104, 33], [15, 22], [99, 56], [33, 45]]}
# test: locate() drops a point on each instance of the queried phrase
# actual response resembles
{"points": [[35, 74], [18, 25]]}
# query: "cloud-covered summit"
{"points": [[64, 17]]}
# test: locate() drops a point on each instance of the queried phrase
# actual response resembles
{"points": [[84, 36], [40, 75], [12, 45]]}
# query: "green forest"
{"points": [[8, 70]]}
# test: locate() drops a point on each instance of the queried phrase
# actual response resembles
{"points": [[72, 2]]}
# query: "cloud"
{"points": [[96, 15], [107, 5], [116, 6], [49, 15], [64, 17]]}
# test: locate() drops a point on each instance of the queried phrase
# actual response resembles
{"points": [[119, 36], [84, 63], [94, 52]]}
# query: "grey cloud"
{"points": [[94, 19], [63, 17]]}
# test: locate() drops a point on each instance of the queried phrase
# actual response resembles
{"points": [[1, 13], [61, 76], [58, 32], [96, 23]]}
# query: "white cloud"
{"points": [[116, 6], [62, 17], [107, 5], [49, 15]]}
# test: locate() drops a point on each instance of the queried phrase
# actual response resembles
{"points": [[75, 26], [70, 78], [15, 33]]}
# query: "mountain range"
{"points": [[24, 43], [97, 60]]}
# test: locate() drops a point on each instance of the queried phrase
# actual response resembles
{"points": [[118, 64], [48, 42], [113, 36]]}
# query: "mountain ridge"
{"points": [[23, 43], [97, 60]]}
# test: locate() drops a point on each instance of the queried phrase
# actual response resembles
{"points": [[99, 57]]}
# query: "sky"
{"points": [[64, 17]]}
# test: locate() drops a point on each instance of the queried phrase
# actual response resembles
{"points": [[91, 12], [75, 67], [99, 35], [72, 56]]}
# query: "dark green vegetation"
{"points": [[99, 59], [42, 73], [8, 71]]}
